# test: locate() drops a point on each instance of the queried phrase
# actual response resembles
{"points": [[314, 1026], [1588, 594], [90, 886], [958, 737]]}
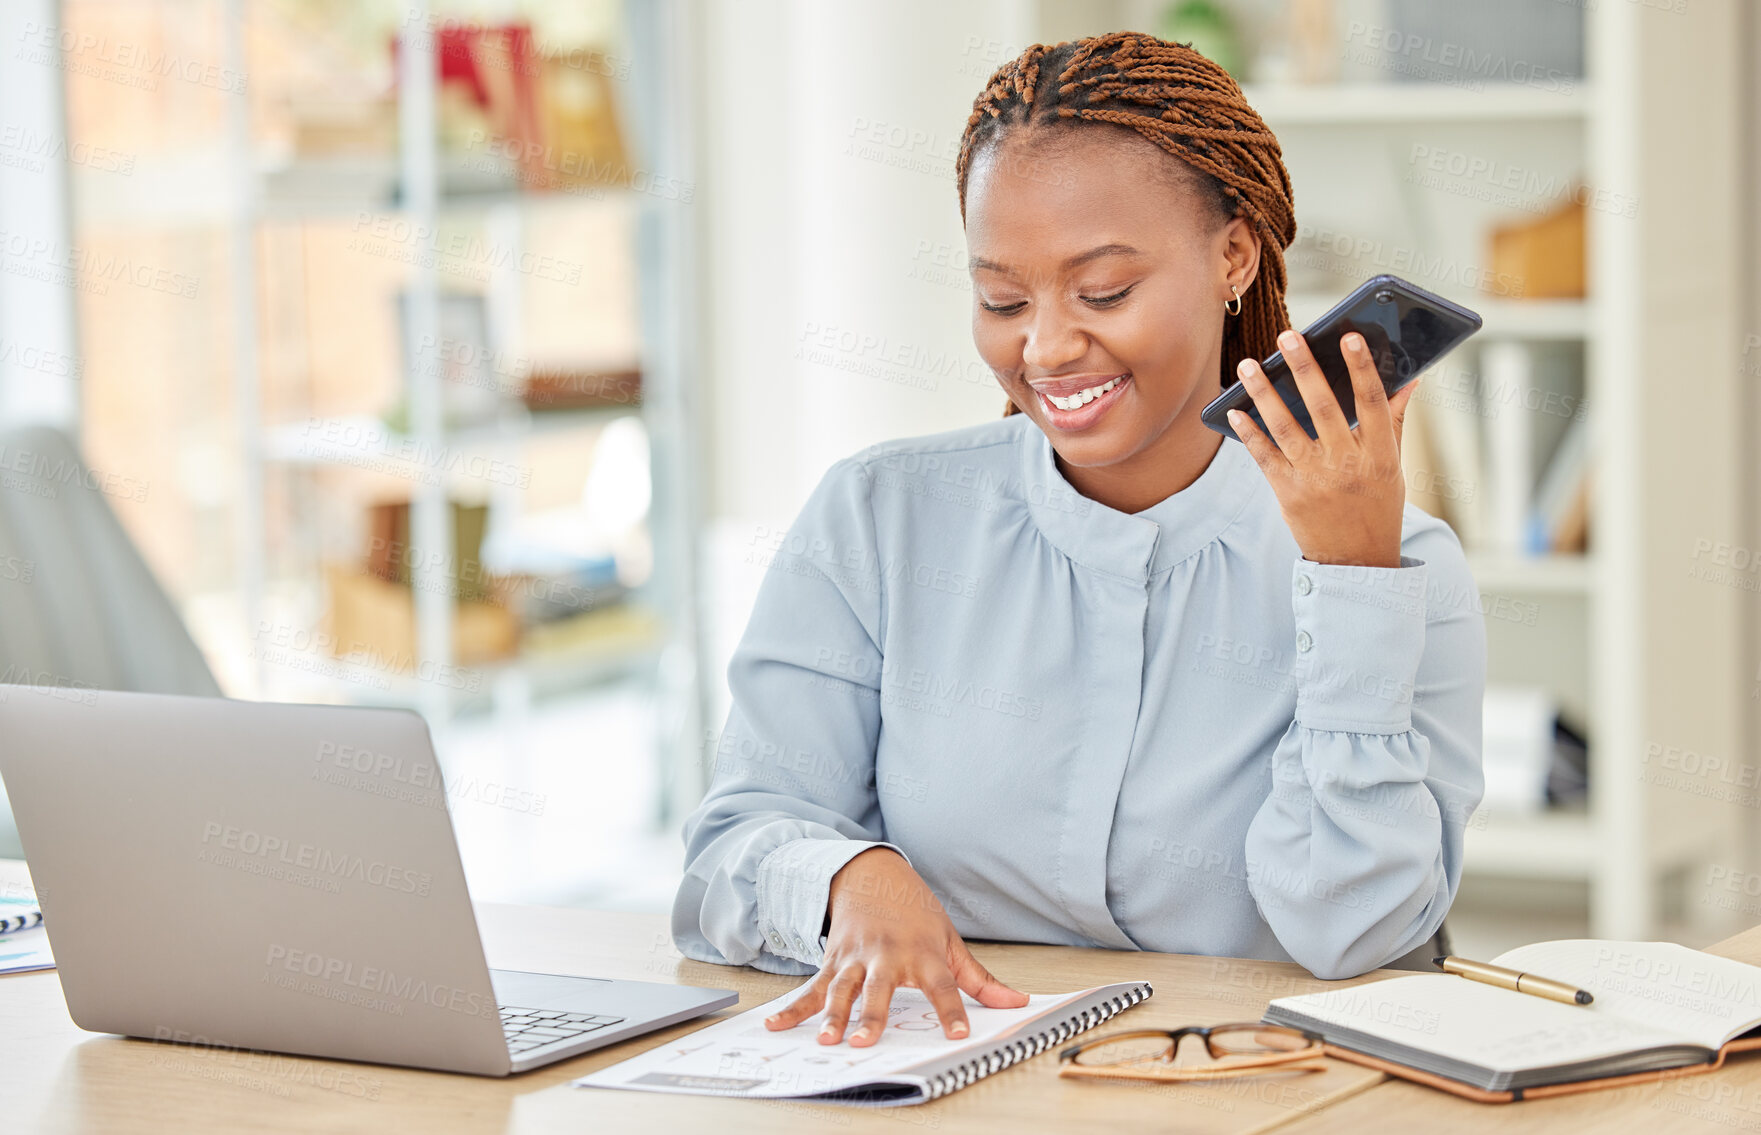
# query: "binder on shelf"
{"points": [[1505, 368], [1451, 416], [1555, 524], [1518, 740]]}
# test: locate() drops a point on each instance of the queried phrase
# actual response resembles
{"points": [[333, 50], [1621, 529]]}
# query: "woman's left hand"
{"points": [[1342, 492]]}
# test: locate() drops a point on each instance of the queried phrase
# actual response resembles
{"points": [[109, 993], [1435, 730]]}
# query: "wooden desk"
{"points": [[56, 1078]]}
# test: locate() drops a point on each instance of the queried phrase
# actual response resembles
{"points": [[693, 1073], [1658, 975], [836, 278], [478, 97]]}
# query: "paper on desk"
{"points": [[740, 1057], [25, 950]]}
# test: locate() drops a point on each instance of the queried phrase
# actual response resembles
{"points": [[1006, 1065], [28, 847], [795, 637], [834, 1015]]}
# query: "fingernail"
{"points": [[862, 1033], [958, 1028], [1244, 368], [1287, 339], [1236, 417]]}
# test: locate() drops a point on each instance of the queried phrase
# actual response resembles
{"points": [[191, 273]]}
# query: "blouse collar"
{"points": [[1135, 545]]}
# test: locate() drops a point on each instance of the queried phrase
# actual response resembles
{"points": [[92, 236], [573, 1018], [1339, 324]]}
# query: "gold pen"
{"points": [[1513, 979]]}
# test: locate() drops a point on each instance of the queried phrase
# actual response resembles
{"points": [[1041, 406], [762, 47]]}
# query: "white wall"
{"points": [[38, 347], [830, 133], [837, 307]]}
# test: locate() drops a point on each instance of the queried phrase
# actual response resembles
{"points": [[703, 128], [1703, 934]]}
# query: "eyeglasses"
{"points": [[1235, 1050]]}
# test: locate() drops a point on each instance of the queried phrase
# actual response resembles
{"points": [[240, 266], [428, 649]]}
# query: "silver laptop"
{"points": [[279, 877]]}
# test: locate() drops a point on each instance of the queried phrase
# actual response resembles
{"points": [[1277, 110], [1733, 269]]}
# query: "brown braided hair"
{"points": [[1186, 105]]}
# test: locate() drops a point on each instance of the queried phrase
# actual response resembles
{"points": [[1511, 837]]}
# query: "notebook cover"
{"points": [[1481, 1095]]}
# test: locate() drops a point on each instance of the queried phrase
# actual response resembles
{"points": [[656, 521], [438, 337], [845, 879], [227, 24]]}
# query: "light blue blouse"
{"points": [[1164, 730]]}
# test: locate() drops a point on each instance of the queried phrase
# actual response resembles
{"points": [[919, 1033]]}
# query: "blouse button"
{"points": [[1304, 585], [1303, 641]]}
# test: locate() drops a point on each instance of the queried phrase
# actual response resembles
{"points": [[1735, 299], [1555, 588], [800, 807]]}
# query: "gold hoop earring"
{"points": [[1236, 310]]}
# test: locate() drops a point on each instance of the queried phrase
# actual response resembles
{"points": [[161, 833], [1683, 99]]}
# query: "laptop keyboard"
{"points": [[534, 1028]]}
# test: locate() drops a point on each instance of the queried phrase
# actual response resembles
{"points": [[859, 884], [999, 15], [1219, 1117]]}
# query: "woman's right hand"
{"points": [[888, 932]]}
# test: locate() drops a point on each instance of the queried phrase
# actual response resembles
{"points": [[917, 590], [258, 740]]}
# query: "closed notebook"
{"points": [[24, 944], [912, 1062], [1658, 1005], [18, 913]]}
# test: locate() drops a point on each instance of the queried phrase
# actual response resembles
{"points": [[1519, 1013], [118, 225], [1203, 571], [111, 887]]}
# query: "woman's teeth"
{"points": [[1083, 397]]}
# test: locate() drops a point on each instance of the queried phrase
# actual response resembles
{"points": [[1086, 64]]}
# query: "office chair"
{"points": [[79, 607]]}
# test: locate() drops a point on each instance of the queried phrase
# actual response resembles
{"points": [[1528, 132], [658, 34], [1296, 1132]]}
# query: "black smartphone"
{"points": [[1407, 329]]}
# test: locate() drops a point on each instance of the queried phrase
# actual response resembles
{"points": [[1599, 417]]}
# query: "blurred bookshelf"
{"points": [[1531, 202], [1545, 845], [433, 270], [1580, 613], [289, 443], [1522, 569], [494, 216], [1544, 574]]}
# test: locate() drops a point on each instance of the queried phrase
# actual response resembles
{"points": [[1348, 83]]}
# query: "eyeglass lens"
{"points": [[1249, 1041], [1147, 1047]]}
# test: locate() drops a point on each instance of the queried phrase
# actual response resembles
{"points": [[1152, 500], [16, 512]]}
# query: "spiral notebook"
{"points": [[912, 1062], [24, 944], [19, 913]]}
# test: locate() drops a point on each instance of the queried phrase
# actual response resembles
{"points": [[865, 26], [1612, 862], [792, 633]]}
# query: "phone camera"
{"points": [[1384, 296]]}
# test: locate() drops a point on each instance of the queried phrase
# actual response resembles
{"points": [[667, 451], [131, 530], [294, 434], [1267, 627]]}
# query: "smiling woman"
{"points": [[1079, 280], [1229, 169], [1200, 697]]}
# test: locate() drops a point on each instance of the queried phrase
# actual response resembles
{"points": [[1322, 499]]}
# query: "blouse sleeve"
{"points": [[793, 794], [1356, 855]]}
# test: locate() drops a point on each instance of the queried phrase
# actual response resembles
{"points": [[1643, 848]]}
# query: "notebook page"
{"points": [[739, 1056], [25, 950], [1479, 1024], [1704, 998]]}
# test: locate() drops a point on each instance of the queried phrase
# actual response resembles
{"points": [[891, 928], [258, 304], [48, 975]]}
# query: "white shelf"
{"points": [[351, 184], [1534, 575], [365, 441], [535, 423], [540, 670], [1365, 104], [193, 187], [1542, 845], [1559, 845], [1535, 319]]}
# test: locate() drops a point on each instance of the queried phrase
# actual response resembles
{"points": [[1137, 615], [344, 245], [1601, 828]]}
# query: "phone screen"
{"points": [[1406, 330]]}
